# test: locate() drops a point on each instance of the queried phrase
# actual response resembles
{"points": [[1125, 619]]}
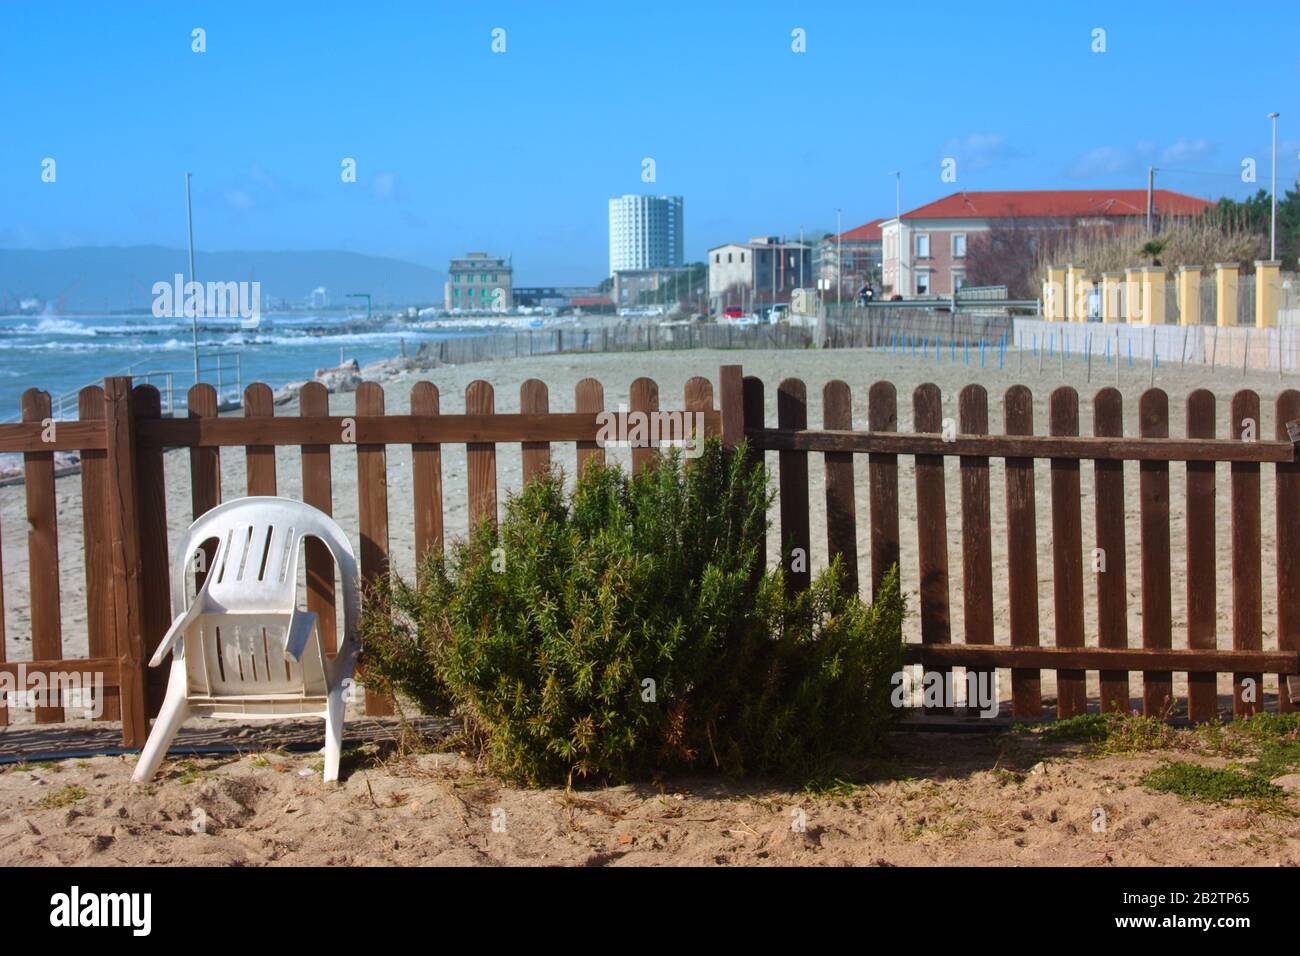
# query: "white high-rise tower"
{"points": [[645, 232]]}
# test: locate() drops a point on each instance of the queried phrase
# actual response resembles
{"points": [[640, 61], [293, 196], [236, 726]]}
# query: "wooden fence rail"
{"points": [[122, 438], [931, 444]]}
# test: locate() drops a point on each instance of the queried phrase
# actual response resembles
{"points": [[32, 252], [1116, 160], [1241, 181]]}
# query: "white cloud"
{"points": [[1187, 150], [980, 150], [1102, 161]]}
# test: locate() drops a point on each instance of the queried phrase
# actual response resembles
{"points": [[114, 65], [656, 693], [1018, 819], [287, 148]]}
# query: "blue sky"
{"points": [[459, 148]]}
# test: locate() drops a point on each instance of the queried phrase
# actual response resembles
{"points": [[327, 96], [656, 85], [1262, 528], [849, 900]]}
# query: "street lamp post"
{"points": [[1272, 226], [898, 232], [194, 316], [839, 257]]}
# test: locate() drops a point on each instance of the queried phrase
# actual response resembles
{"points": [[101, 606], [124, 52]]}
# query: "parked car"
{"points": [[778, 312], [733, 312]]}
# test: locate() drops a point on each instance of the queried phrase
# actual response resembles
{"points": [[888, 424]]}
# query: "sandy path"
{"points": [[671, 370], [936, 799]]}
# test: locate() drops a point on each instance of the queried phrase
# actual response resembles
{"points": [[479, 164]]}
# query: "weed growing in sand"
{"points": [[63, 797], [1195, 782], [190, 772], [620, 631], [1111, 733]]}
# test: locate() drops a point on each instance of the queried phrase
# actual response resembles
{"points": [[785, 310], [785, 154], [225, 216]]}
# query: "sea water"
{"points": [[60, 354]]}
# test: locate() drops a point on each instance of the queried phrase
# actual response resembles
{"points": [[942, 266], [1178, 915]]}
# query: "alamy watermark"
{"points": [[183, 300], [74, 690], [937, 689], [624, 429]]}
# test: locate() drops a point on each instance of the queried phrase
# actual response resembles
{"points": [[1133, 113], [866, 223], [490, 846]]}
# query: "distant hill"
{"points": [[113, 278]]}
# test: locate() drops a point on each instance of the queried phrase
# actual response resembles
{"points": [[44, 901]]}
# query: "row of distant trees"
{"points": [[1231, 231]]}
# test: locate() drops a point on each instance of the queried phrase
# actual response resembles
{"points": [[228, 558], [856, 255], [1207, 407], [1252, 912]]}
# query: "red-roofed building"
{"points": [[932, 239], [854, 254]]}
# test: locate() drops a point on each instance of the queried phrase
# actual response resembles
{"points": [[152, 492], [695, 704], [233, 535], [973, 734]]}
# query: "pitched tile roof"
{"points": [[868, 233], [1046, 203]]}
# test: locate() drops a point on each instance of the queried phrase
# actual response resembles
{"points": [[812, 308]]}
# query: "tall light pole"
{"points": [[839, 257], [1272, 226], [194, 316], [898, 232], [801, 257]]}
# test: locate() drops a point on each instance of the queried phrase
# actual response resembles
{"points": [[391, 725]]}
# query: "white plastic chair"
{"points": [[242, 649]]}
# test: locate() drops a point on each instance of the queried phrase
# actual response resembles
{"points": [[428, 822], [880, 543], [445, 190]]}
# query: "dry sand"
{"points": [[935, 799], [671, 370]]}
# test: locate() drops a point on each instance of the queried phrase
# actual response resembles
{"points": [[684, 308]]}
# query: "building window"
{"points": [[742, 257], [923, 283], [717, 257], [923, 245], [959, 245], [958, 280]]}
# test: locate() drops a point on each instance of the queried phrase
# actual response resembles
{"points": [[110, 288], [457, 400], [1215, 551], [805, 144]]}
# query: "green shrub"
{"points": [[621, 630]]}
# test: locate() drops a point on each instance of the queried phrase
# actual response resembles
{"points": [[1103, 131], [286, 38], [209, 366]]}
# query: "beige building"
{"points": [[477, 282], [763, 270]]}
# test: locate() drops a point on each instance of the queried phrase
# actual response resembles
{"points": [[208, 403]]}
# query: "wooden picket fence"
{"points": [[122, 436], [971, 443]]}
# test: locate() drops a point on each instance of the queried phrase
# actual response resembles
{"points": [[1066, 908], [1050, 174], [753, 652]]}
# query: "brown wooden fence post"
{"points": [[42, 551], [124, 532], [796, 546], [731, 401], [1287, 498], [151, 506]]}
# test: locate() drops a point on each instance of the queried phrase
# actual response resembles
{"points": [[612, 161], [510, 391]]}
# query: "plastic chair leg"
{"points": [[170, 717], [334, 708]]}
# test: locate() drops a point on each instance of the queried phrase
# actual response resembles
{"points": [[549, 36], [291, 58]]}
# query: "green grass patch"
{"points": [[1111, 733], [63, 797], [1195, 782]]}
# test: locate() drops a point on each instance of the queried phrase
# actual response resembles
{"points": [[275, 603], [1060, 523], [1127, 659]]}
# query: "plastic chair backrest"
{"points": [[249, 592]]}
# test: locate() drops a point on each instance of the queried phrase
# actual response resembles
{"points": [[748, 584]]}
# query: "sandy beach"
{"points": [[930, 799], [671, 370]]}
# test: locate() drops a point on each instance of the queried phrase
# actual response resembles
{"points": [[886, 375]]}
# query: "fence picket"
{"points": [[94, 523], [126, 568], [537, 454], [481, 459], [1112, 573], [644, 397], [977, 536], [1247, 587], [841, 519], [318, 491], [882, 476], [1153, 494], [792, 413], [1202, 588], [42, 548], [426, 478], [755, 415], [931, 521], [1022, 554], [372, 494], [589, 396], [259, 402], [205, 472], [155, 589], [1067, 553], [1287, 500]]}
